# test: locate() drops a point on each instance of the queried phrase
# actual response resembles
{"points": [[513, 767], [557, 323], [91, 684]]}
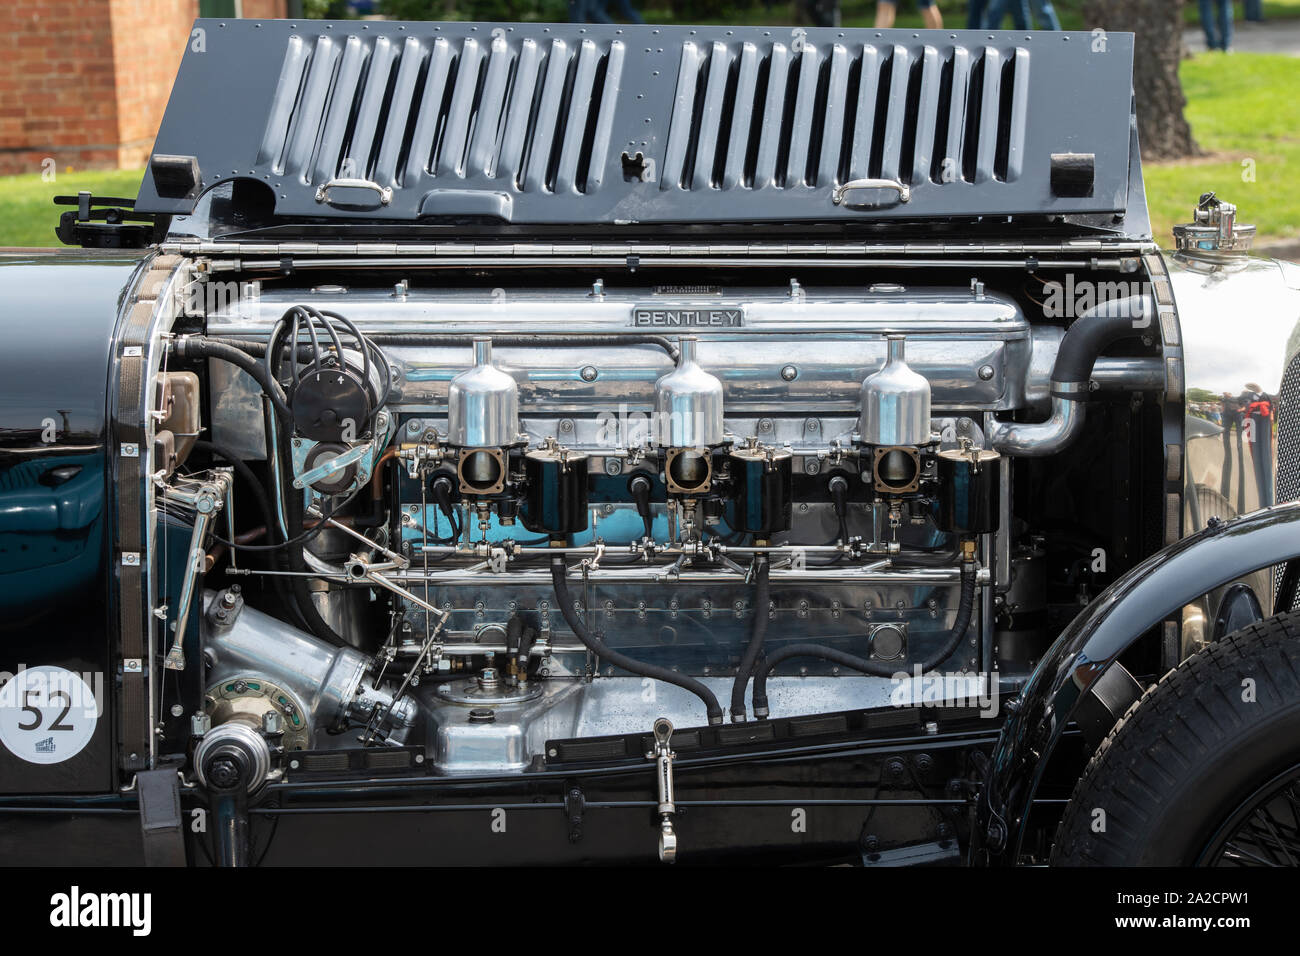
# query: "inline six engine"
{"points": [[501, 526]]}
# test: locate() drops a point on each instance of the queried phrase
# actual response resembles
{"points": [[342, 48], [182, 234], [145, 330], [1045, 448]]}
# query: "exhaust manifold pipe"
{"points": [[1096, 330]]}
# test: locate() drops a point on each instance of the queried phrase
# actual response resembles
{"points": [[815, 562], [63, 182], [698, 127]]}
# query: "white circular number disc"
{"points": [[47, 714]]}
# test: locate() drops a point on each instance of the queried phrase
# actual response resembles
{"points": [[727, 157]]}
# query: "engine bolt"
{"points": [[566, 426], [789, 373], [986, 372], [588, 373]]}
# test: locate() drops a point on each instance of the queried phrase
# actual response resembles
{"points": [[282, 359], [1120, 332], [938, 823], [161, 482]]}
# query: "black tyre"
{"points": [[1204, 769]]}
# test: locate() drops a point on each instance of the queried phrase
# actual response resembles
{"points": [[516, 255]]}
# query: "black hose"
{"points": [[1095, 331], [526, 642], [875, 668], [520, 639], [839, 489], [757, 634], [257, 349], [514, 631], [639, 486], [196, 346], [602, 650]]}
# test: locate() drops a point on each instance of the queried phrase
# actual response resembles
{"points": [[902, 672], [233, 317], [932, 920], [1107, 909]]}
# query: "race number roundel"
{"points": [[47, 714]]}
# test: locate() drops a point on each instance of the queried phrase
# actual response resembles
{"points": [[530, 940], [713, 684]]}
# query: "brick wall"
{"points": [[85, 82]]}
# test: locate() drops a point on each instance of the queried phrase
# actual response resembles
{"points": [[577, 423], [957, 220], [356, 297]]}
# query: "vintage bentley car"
{"points": [[506, 443]]}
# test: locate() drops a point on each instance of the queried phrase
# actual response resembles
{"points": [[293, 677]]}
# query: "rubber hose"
{"points": [[653, 671], [875, 668], [1096, 330], [757, 634], [193, 346]]}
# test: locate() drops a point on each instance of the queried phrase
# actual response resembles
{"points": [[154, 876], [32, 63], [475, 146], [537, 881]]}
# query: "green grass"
{"points": [[27, 211], [1241, 107]]}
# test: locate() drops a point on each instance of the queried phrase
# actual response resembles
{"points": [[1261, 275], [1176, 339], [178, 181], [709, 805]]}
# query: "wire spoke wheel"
{"points": [[1264, 830], [1204, 770]]}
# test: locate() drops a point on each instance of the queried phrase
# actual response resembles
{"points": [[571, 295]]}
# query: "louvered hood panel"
{"points": [[607, 124]]}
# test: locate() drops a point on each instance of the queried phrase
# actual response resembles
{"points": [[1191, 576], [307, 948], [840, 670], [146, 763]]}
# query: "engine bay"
{"points": [[475, 526]]}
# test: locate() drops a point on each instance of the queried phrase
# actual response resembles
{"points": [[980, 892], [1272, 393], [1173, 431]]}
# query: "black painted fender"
{"points": [[1137, 602]]}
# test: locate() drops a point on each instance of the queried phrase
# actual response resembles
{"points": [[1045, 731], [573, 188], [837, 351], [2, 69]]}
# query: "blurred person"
{"points": [[597, 11], [1254, 10], [624, 9], [1044, 15], [1232, 450], [587, 11], [822, 13], [1216, 19], [1257, 408], [886, 10], [975, 14]]}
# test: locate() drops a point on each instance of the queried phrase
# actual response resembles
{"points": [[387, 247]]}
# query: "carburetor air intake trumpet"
{"points": [[894, 422], [483, 424], [688, 422]]}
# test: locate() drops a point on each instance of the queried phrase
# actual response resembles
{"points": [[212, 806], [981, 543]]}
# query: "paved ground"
{"points": [[1271, 36]]}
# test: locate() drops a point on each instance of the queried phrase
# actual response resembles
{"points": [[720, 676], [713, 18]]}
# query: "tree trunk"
{"points": [[1162, 129]]}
